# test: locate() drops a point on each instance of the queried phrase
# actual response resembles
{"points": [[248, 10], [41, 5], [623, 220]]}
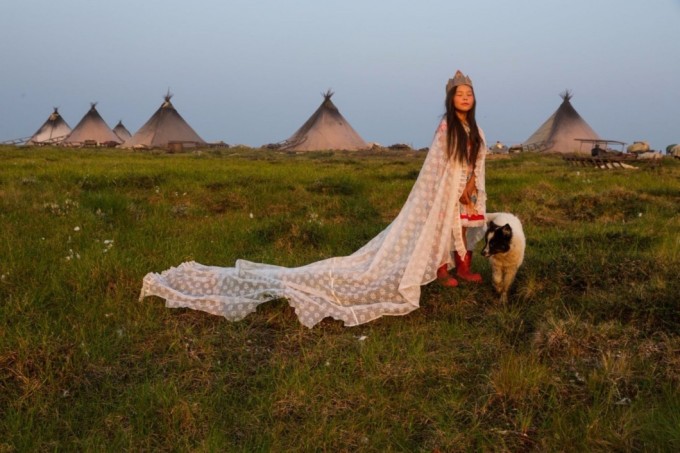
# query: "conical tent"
{"points": [[165, 127], [121, 131], [325, 129], [560, 132], [92, 129], [53, 131]]}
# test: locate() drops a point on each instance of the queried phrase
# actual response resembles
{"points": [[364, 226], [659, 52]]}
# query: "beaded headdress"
{"points": [[458, 79]]}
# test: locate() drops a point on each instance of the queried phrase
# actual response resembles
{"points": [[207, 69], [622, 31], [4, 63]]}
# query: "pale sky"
{"points": [[251, 72]]}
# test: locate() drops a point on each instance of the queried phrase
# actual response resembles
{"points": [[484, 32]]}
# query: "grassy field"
{"points": [[585, 357]]}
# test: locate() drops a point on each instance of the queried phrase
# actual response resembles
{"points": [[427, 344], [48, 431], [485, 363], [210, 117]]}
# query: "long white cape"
{"points": [[381, 278]]}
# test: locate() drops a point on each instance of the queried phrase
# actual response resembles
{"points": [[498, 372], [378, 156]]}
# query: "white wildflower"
{"points": [[71, 255], [639, 214], [76, 228], [314, 218], [251, 215], [108, 243], [53, 208]]}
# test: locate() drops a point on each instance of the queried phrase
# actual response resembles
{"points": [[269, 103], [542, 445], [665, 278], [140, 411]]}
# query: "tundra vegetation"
{"points": [[585, 356]]}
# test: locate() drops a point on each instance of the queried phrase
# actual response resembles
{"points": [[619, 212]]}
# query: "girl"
{"points": [[465, 147]]}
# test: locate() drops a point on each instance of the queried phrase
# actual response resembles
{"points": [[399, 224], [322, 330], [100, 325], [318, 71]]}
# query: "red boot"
{"points": [[444, 278], [463, 268]]}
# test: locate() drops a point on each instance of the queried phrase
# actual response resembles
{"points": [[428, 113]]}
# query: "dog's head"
{"points": [[498, 239]]}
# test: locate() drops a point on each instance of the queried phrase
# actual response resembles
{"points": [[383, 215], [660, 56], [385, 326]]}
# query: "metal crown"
{"points": [[458, 79]]}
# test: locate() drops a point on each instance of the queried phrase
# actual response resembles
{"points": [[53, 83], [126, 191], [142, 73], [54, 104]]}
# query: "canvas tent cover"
{"points": [[121, 131], [92, 128], [560, 132], [325, 129], [54, 130], [165, 126]]}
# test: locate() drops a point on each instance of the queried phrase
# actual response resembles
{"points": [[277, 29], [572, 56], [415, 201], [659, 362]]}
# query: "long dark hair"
{"points": [[457, 139]]}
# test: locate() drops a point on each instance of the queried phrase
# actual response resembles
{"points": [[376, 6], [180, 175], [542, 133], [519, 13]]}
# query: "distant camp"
{"points": [[564, 132]]}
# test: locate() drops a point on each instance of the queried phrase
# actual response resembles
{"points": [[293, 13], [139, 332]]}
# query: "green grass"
{"points": [[585, 357]]}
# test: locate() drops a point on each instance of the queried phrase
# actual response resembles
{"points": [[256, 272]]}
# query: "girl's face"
{"points": [[463, 99]]}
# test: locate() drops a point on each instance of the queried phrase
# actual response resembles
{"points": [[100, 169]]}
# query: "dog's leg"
{"points": [[504, 297], [497, 276], [508, 278]]}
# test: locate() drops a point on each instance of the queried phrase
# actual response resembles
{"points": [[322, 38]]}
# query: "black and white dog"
{"points": [[505, 244]]}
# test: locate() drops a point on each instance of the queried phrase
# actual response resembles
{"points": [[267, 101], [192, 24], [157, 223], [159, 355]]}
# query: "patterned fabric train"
{"points": [[381, 278]]}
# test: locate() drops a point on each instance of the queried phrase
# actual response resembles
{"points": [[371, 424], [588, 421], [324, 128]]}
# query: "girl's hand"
{"points": [[468, 191]]}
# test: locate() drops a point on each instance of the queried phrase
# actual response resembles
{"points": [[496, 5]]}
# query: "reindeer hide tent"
{"points": [[92, 129], [54, 130], [561, 131], [165, 128], [325, 129]]}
